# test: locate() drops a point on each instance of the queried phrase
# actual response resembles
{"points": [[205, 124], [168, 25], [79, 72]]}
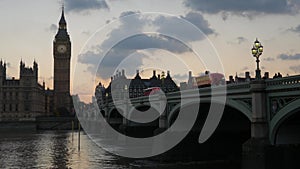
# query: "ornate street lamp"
{"points": [[257, 50]]}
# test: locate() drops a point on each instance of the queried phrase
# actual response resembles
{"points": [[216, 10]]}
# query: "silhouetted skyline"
{"points": [[29, 30]]}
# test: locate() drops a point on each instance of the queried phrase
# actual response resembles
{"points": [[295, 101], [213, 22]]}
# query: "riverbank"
{"points": [[39, 123], [17, 126]]}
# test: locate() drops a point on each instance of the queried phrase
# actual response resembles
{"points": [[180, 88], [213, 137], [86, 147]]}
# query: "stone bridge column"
{"points": [[106, 110], [254, 148], [163, 119], [127, 111]]}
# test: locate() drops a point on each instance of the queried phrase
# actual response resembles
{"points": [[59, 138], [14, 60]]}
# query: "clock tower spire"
{"points": [[62, 58]]}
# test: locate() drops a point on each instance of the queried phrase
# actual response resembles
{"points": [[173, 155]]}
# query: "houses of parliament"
{"points": [[26, 98]]}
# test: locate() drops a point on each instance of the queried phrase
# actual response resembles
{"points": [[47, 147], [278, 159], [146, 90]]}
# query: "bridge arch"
{"points": [[229, 102], [140, 107], [175, 109], [115, 112], [282, 116], [240, 107], [229, 136]]}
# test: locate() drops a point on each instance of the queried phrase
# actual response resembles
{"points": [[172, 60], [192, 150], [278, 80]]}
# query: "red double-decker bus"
{"points": [[210, 79], [151, 91]]}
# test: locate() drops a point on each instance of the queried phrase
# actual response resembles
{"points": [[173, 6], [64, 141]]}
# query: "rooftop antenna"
{"points": [[62, 2], [62, 5]]}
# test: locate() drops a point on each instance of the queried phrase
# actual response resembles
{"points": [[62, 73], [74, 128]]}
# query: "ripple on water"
{"points": [[54, 149]]}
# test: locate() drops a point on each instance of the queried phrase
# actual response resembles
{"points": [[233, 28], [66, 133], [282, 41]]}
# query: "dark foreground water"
{"points": [[54, 149]]}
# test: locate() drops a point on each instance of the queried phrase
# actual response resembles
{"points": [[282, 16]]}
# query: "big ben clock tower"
{"points": [[62, 57]]}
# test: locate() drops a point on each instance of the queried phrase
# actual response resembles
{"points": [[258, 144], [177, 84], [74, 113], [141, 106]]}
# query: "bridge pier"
{"points": [[163, 119], [254, 150]]}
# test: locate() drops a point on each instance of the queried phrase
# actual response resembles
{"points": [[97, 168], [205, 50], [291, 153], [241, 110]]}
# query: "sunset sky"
{"points": [[231, 26]]}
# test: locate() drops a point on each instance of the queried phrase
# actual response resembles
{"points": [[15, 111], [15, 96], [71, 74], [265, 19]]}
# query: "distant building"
{"points": [[246, 78], [62, 58], [100, 95], [24, 97], [135, 87]]}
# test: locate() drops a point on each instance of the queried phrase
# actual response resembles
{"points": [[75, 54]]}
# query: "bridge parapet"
{"points": [[238, 88], [283, 83], [244, 85]]}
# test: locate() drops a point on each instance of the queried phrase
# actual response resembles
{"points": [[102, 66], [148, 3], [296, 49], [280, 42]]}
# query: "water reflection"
{"points": [[54, 149]]}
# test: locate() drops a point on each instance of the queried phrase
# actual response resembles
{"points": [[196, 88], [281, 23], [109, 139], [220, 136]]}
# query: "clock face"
{"points": [[62, 48]]}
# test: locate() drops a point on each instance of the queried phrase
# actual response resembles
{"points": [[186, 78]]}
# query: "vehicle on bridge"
{"points": [[209, 79], [152, 91]]}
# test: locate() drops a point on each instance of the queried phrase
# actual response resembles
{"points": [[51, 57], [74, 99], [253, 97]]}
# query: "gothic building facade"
{"points": [[25, 98], [62, 59], [135, 87], [22, 98]]}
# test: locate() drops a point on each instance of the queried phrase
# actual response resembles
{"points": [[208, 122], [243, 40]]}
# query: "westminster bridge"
{"points": [[257, 114], [269, 105]]}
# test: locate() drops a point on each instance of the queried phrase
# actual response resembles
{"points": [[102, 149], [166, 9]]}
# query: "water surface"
{"points": [[57, 149]]}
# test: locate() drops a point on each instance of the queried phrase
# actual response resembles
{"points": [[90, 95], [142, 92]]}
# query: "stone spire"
{"points": [[62, 22], [62, 33]]}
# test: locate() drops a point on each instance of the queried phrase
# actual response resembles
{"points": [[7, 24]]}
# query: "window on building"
{"points": [[26, 107], [26, 95]]}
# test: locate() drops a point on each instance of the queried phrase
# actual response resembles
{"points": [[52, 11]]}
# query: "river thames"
{"points": [[59, 149]]}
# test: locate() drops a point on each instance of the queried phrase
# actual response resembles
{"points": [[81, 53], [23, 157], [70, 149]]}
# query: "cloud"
{"points": [[269, 59], [52, 28], [84, 5], [175, 26], [296, 69], [146, 41], [295, 29], [239, 40], [106, 68], [198, 20], [171, 26], [225, 15], [132, 45], [120, 53], [244, 8], [289, 57], [127, 13]]}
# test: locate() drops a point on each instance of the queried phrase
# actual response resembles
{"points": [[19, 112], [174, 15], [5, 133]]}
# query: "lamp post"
{"points": [[125, 92], [257, 50]]}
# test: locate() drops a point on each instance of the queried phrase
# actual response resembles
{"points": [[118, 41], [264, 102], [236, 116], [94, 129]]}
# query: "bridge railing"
{"points": [[283, 83], [232, 88], [242, 85], [238, 88]]}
